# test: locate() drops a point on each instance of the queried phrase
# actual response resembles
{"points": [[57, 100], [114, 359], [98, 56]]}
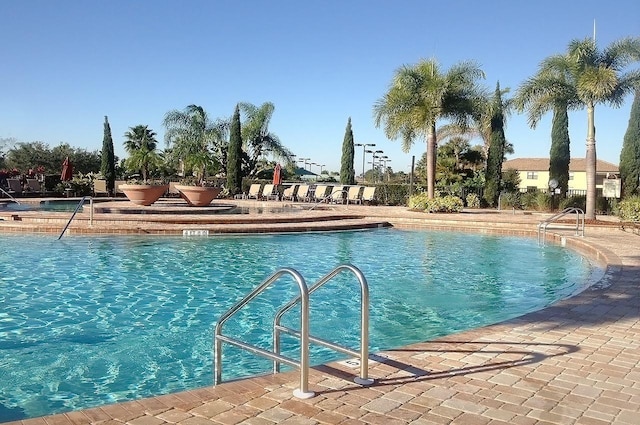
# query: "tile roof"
{"points": [[542, 164]]}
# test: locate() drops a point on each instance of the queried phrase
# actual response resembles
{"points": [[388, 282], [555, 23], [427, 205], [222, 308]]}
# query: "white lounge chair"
{"points": [[290, 192], [269, 191], [303, 193], [354, 195], [254, 191], [321, 192], [338, 195], [368, 194]]}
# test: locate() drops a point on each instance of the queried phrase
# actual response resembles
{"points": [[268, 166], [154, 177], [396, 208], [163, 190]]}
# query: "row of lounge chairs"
{"points": [[15, 187], [313, 193]]}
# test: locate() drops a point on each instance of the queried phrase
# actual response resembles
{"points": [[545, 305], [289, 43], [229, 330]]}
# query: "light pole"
{"points": [[364, 151], [305, 161], [385, 170], [321, 167], [373, 163]]}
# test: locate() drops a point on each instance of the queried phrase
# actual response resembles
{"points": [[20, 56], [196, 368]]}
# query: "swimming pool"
{"points": [[87, 321], [48, 205]]}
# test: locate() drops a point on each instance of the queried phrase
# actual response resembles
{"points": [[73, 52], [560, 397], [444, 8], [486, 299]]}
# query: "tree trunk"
{"points": [[431, 161], [590, 160]]}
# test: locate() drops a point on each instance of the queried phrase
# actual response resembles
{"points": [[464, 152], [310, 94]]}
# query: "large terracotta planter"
{"points": [[143, 194], [198, 196]]}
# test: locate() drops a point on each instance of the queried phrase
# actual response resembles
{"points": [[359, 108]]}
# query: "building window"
{"points": [[570, 176], [532, 175]]}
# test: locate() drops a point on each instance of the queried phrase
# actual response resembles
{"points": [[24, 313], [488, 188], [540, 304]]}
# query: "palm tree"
{"points": [[599, 77], [197, 140], [419, 96], [256, 136], [552, 89], [141, 145]]}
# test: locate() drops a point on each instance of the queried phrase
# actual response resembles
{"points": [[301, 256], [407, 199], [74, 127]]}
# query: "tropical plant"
{"points": [[108, 164], [195, 140], [347, 172], [552, 89], [629, 209], [141, 146], [630, 154], [600, 77], [422, 94], [257, 138]]}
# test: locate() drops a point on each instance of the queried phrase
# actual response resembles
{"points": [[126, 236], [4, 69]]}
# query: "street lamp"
{"points": [[364, 151], [373, 163], [305, 161]]}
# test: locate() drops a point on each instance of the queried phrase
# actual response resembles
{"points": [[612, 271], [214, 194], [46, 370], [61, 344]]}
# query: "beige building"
{"points": [[534, 173]]}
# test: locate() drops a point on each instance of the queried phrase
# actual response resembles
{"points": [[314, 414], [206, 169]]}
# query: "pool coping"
{"points": [[526, 370]]}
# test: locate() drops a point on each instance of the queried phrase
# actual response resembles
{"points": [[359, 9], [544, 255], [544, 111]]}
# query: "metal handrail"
{"points": [[303, 364], [343, 190], [75, 212], [542, 226], [363, 354], [303, 333], [9, 195]]}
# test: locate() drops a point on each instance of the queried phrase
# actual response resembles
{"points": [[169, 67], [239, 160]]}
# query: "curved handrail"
{"points": [[303, 391], [343, 190], [73, 215], [9, 195], [542, 226], [363, 379]]}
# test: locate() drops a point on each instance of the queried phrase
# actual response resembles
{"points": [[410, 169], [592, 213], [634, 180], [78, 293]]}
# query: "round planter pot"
{"points": [[143, 194], [198, 196]]}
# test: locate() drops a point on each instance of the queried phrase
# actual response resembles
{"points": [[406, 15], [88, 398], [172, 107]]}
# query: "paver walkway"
{"points": [[577, 362]]}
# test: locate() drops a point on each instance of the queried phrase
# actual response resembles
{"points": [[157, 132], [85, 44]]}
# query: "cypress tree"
{"points": [[234, 156], [630, 154], [347, 172], [559, 153], [108, 164], [495, 156]]}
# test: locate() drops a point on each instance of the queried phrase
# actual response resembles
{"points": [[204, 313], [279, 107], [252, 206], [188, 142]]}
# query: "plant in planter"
{"points": [[197, 144], [144, 159]]}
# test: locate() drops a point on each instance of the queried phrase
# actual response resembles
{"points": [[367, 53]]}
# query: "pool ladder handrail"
{"points": [[9, 195], [76, 211], [330, 196], [579, 227], [303, 298]]}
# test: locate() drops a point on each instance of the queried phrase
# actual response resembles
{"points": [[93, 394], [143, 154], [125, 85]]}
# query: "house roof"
{"points": [[542, 164]]}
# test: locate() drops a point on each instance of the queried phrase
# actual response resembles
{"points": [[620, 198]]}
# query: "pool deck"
{"points": [[576, 362]]}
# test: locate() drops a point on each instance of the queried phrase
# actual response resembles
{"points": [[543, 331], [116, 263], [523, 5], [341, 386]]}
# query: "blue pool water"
{"points": [[86, 321]]}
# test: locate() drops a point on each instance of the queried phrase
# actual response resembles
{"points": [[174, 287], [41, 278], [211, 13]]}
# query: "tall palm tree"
{"points": [[419, 96], [140, 143], [256, 136], [600, 77], [552, 89], [196, 140]]}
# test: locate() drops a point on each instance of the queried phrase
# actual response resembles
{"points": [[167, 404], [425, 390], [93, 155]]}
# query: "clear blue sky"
{"points": [[66, 64]]}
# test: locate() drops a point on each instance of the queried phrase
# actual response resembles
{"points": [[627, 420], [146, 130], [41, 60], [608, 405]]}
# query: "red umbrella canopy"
{"points": [[67, 170], [277, 175]]}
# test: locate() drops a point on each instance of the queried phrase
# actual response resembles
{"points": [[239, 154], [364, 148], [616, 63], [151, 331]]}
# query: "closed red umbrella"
{"points": [[67, 170], [277, 175]]}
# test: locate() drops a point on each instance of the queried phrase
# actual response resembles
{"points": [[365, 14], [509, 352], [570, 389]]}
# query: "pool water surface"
{"points": [[87, 321]]}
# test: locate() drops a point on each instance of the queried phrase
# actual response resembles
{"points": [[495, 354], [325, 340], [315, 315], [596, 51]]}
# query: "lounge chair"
{"points": [[338, 195], [34, 186], [368, 194], [254, 191], [303, 193], [100, 187], [15, 187], [290, 192], [354, 195], [321, 192], [269, 191]]}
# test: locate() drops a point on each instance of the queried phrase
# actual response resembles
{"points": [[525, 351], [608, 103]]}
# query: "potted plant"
{"points": [[144, 159], [196, 144]]}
